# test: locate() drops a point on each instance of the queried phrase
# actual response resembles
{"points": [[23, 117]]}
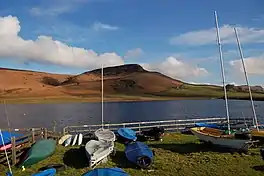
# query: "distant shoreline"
{"points": [[111, 98]]}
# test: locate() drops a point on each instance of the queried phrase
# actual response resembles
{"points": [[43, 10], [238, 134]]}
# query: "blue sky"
{"points": [[174, 37]]}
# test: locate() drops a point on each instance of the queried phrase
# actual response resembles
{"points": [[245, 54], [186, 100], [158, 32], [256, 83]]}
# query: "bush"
{"points": [[50, 81]]}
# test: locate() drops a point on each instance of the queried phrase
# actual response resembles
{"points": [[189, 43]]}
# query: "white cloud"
{"points": [[46, 50], [133, 53], [176, 69], [208, 36], [253, 65], [97, 26]]}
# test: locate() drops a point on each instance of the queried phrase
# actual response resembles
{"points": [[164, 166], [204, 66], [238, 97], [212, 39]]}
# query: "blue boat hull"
{"points": [[127, 134], [7, 137], [207, 125], [140, 154], [48, 172], [106, 172]]}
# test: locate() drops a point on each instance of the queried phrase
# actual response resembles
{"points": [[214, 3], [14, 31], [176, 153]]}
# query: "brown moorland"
{"points": [[121, 83]]}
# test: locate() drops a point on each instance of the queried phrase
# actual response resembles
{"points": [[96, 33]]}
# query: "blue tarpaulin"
{"points": [[7, 137], [139, 153], [127, 133], [106, 172], [48, 172]]}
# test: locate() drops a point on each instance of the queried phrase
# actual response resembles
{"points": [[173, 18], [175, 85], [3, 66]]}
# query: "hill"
{"points": [[124, 82]]}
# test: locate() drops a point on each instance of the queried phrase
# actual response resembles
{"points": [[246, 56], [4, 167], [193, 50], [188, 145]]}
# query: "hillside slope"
{"points": [[120, 81]]}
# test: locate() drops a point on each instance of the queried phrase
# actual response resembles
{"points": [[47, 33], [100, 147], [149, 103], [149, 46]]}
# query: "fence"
{"points": [[168, 125], [21, 144]]}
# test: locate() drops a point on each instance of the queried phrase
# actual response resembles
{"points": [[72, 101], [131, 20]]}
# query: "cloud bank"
{"points": [[208, 36], [133, 53], [177, 69], [46, 50], [254, 65]]}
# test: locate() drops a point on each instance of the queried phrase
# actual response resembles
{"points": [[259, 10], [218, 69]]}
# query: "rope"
{"points": [[2, 138]]}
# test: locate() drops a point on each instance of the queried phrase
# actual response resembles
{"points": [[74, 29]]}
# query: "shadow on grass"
{"points": [[121, 161], [191, 148], [22, 156], [76, 158], [258, 168]]}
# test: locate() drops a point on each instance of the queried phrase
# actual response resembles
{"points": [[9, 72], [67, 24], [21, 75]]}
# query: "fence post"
{"points": [[54, 126], [45, 133], [33, 135], [13, 142], [64, 131]]}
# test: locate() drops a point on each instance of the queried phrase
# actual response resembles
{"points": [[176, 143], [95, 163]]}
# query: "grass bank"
{"points": [[177, 155], [187, 91], [72, 99]]}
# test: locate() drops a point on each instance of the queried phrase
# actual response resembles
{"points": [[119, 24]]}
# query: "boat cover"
{"points": [[207, 125], [106, 172], [127, 133], [7, 137], [48, 172], [139, 153]]}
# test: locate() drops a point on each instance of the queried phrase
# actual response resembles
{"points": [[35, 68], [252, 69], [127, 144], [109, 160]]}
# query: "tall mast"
{"points": [[246, 76], [222, 70], [102, 86]]}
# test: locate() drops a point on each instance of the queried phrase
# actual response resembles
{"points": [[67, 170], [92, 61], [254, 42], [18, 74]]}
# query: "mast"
{"points": [[222, 70], [102, 87], [246, 77]]}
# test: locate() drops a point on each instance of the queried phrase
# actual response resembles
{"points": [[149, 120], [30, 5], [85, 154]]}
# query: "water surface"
{"points": [[42, 115]]}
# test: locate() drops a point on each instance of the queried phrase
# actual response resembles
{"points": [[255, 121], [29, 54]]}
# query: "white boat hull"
{"points": [[229, 142], [80, 139], [105, 135], [96, 151], [74, 140], [64, 138]]}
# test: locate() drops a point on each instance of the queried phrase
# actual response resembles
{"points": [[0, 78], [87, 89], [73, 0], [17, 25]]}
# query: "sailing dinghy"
{"points": [[256, 133], [97, 151], [216, 136]]}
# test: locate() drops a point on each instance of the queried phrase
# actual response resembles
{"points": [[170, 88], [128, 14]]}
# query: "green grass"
{"points": [[176, 155], [189, 90]]}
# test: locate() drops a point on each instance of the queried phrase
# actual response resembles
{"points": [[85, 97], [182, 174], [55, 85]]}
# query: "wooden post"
{"points": [[45, 133], [64, 131], [54, 126], [33, 135], [13, 142]]}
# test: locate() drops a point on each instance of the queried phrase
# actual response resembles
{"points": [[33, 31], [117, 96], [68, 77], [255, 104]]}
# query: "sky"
{"points": [[174, 37]]}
